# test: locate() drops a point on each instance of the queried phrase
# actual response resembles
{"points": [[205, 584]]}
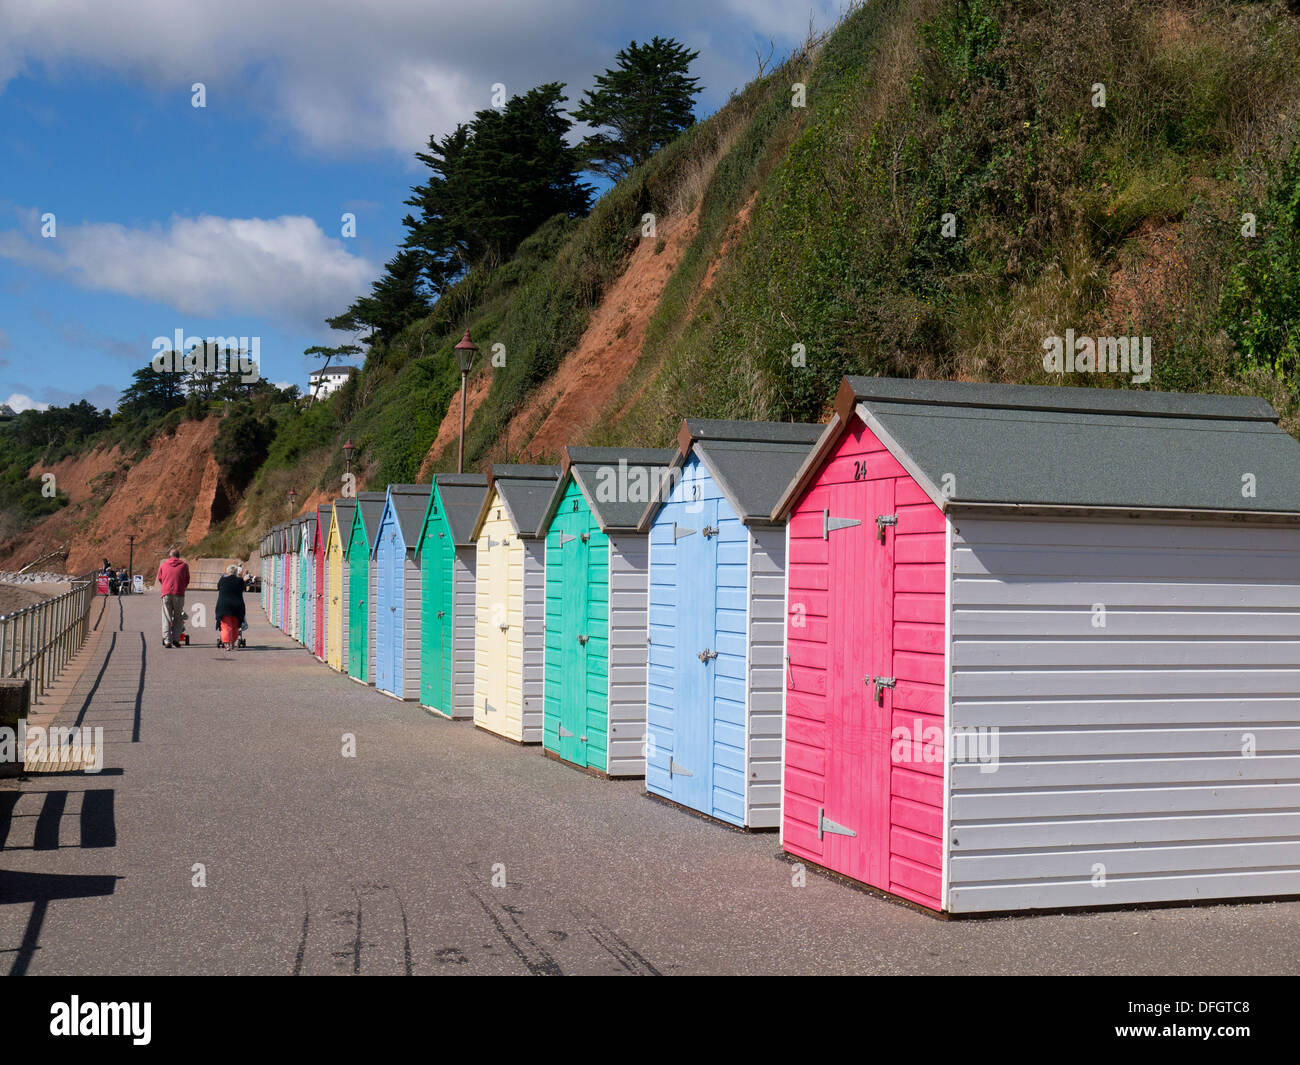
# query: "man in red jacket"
{"points": [[173, 579]]}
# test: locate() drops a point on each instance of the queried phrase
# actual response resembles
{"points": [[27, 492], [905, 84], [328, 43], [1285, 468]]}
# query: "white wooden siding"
{"points": [[766, 676], [532, 610], [629, 563], [463, 592], [412, 601], [1120, 775]]}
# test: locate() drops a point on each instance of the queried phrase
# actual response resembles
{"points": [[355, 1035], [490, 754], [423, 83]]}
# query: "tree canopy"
{"points": [[643, 102]]}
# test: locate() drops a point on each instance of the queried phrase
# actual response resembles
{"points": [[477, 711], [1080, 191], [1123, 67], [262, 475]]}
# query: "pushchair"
{"points": [[240, 641]]}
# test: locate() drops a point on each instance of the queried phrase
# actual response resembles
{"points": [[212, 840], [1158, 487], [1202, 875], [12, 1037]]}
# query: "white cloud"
{"points": [[284, 269], [20, 403], [385, 74]]}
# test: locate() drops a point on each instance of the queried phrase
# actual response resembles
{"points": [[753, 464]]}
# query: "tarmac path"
{"points": [[227, 769]]}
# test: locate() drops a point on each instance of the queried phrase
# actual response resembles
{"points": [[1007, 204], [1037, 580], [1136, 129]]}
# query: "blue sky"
{"points": [[226, 220]]}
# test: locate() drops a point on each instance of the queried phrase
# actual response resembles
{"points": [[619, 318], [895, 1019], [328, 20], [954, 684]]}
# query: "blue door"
{"points": [[384, 608], [692, 542]]}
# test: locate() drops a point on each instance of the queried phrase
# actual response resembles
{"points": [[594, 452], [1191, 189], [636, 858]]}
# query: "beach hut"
{"points": [[510, 601], [595, 663], [286, 576], [296, 570], [336, 584], [397, 591], [717, 608], [361, 585], [1043, 646], [307, 577], [446, 557], [323, 517]]}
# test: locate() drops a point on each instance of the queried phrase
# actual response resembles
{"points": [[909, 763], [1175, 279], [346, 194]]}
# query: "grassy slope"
{"points": [[980, 109]]}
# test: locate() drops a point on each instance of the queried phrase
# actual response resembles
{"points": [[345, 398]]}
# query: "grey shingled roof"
{"points": [[752, 462], [410, 502], [344, 511], [595, 469], [372, 509], [325, 510], [1055, 446], [462, 497], [526, 491]]}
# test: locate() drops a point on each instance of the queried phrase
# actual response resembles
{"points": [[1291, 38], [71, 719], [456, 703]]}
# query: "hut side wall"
{"points": [[1128, 667], [629, 563]]}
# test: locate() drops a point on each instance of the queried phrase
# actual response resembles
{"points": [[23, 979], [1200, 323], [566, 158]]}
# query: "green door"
{"points": [[437, 566], [358, 613]]}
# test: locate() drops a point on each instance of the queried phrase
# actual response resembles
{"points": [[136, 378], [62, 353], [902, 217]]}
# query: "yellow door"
{"points": [[492, 621], [334, 606]]}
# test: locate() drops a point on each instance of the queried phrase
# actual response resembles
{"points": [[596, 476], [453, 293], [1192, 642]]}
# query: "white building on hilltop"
{"points": [[324, 383]]}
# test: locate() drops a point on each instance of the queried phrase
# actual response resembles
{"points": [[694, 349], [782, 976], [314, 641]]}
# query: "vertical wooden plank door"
{"points": [[436, 558], [691, 761], [358, 593], [860, 650], [575, 558]]}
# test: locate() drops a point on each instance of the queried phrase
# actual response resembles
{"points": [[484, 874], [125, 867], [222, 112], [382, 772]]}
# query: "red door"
{"points": [[318, 636], [854, 823]]}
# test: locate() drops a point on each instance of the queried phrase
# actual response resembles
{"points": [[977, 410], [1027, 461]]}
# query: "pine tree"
{"points": [[646, 100]]}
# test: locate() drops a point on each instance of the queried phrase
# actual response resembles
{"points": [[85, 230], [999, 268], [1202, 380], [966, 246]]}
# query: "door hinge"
{"points": [[878, 686], [825, 824], [829, 524], [709, 530], [566, 537], [706, 654], [675, 770], [488, 708], [881, 521], [564, 732], [679, 532]]}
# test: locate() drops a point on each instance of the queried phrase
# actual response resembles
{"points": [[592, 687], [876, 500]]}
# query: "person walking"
{"points": [[230, 607], [173, 579]]}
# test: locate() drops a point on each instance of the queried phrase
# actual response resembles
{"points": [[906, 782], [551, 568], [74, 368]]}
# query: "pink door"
{"points": [[854, 823]]}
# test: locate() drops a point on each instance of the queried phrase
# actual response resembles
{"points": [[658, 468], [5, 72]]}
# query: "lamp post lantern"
{"points": [[348, 449], [465, 352], [293, 498]]}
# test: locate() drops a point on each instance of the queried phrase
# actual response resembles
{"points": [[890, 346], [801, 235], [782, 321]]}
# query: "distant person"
{"points": [[230, 607], [173, 579], [123, 582]]}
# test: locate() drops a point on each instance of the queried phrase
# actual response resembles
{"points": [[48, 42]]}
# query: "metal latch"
{"points": [[709, 530], [878, 686], [679, 532], [675, 770], [583, 639], [706, 654], [825, 824], [441, 613], [585, 537], [881, 521]]}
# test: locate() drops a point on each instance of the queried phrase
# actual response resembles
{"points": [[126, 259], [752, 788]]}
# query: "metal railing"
{"points": [[37, 641]]}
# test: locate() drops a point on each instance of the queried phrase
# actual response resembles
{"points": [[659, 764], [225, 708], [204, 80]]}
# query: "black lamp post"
{"points": [[293, 498], [465, 352], [130, 561]]}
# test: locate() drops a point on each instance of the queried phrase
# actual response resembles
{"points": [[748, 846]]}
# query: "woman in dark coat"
{"points": [[230, 607]]}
